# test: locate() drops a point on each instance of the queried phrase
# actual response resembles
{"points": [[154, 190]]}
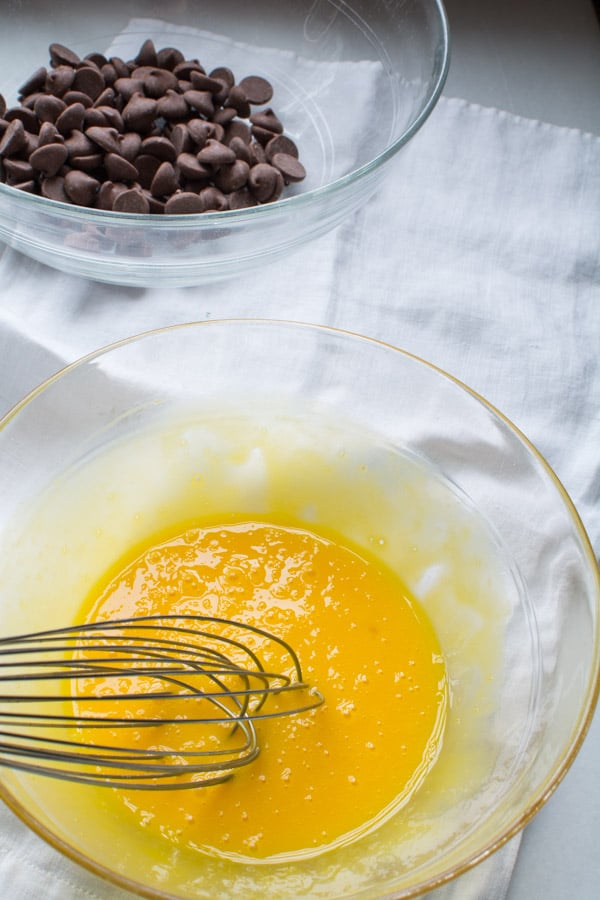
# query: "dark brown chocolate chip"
{"points": [[120, 66], [147, 167], [201, 101], [49, 159], [28, 187], [267, 120], [98, 59], [216, 154], [190, 166], [109, 74], [172, 106], [58, 81], [27, 117], [132, 201], [165, 181], [127, 87], [35, 82], [156, 81], [258, 90], [156, 205], [48, 108], [108, 193], [242, 199], [184, 69], [81, 188], [213, 200], [17, 171], [241, 149], [232, 177], [130, 145], [202, 82], [222, 73], [281, 143], [77, 97], [94, 118], [79, 144], [265, 182], [181, 139], [290, 167], [71, 119], [184, 203], [237, 98], [139, 114], [238, 129], [61, 55], [161, 147], [49, 134], [262, 135], [112, 117], [54, 189], [90, 163], [200, 132], [107, 138], [89, 81], [257, 153], [106, 98], [224, 115], [119, 169], [13, 139], [169, 57], [147, 54]]}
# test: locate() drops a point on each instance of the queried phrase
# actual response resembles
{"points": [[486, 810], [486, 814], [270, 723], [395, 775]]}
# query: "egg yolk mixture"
{"points": [[325, 776]]}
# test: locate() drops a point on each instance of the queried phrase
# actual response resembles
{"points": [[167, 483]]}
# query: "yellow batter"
{"points": [[322, 777]]}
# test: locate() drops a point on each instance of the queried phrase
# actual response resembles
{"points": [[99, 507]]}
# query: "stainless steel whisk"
{"points": [[151, 702]]}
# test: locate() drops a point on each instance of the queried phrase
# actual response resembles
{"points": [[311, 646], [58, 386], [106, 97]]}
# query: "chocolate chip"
{"points": [[241, 149], [81, 188], [184, 203], [232, 177], [130, 145], [49, 134], [222, 73], [13, 139], [147, 54], [127, 87], [258, 90], [224, 115], [181, 139], [48, 108], [119, 169], [156, 81], [120, 67], [239, 101], [238, 129], [34, 83], [59, 55], [77, 97], [27, 117], [28, 187], [107, 138], [49, 159], [169, 57], [17, 171], [2, 106], [165, 181], [54, 189], [161, 147], [106, 98], [265, 182], [202, 82], [71, 119], [190, 166], [147, 167], [58, 81], [290, 167], [89, 163], [172, 106], [200, 101], [89, 81], [109, 74], [216, 154], [242, 199], [213, 200], [200, 132], [281, 143], [79, 144], [108, 193], [131, 201], [140, 112], [94, 118], [267, 120], [98, 59]]}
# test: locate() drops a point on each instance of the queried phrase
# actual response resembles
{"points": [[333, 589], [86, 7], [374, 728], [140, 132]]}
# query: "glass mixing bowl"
{"points": [[353, 82], [376, 445]]}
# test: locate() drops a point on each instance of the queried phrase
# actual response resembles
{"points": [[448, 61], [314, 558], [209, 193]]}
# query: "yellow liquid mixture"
{"points": [[327, 776]]}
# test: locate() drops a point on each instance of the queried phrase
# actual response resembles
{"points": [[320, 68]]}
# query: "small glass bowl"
{"points": [[353, 82], [378, 446]]}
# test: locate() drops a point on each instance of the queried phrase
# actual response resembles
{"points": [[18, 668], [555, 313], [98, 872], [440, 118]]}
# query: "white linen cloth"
{"points": [[480, 254]]}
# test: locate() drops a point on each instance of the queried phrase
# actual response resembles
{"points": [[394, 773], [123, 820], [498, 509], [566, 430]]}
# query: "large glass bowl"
{"points": [[377, 445], [354, 80]]}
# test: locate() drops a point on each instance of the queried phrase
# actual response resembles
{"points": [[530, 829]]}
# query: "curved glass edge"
{"points": [[588, 706]]}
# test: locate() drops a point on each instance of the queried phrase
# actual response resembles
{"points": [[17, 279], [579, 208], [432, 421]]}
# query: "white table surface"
{"points": [[541, 59]]}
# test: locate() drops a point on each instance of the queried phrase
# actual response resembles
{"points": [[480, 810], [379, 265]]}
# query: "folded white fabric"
{"points": [[480, 254]]}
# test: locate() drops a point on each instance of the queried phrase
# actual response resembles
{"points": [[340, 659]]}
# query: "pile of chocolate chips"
{"points": [[156, 134]]}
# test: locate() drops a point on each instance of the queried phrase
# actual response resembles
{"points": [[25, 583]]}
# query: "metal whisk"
{"points": [[152, 702]]}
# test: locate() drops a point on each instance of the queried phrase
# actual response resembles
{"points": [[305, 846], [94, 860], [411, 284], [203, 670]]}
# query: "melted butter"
{"points": [[323, 777]]}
